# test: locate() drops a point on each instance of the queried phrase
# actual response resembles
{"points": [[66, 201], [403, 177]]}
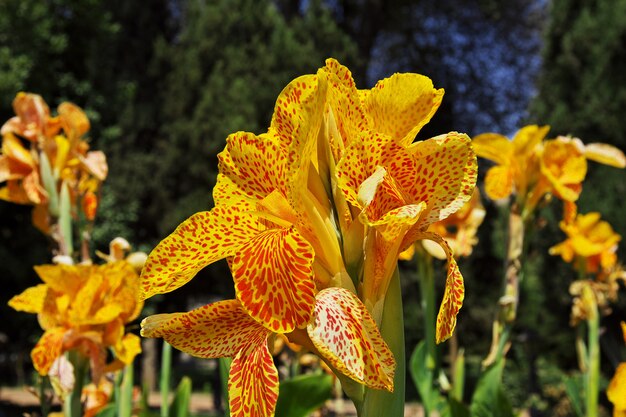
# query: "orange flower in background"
{"points": [[311, 216], [589, 240], [84, 308]]}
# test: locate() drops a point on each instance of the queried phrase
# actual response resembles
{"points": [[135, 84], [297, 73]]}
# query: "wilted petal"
{"points": [[253, 383], [401, 105], [346, 335], [96, 164], [47, 350], [605, 154], [215, 330], [31, 300], [273, 276], [202, 239], [453, 295], [499, 182]]}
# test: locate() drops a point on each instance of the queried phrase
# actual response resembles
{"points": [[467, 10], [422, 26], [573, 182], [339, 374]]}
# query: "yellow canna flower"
{"points": [[616, 391], [589, 240], [84, 308], [312, 216]]}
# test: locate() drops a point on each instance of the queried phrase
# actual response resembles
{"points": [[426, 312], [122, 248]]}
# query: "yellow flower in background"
{"points": [[84, 308], [33, 135], [616, 391], [312, 216], [589, 240], [517, 163]]}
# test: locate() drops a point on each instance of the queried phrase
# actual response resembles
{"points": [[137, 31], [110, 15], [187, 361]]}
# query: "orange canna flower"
{"points": [[84, 308]]}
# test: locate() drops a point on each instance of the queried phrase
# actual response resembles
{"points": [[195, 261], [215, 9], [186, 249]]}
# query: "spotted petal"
{"points": [[273, 276], [401, 105], [31, 300], [253, 383], [347, 337], [48, 349], [499, 182], [453, 295], [199, 241], [217, 330]]}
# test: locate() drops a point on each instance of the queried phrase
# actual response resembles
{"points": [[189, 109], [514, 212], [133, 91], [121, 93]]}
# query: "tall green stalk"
{"points": [[592, 373], [125, 402], [166, 373], [73, 406], [426, 279], [379, 403]]}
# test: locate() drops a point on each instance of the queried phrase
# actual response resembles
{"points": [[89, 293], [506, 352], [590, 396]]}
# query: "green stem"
{"points": [[73, 406], [427, 289], [379, 402], [125, 403], [43, 397], [166, 372], [592, 377]]}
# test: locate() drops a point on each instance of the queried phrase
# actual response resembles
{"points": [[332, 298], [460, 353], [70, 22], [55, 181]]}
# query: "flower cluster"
{"points": [[312, 216], [41, 154]]}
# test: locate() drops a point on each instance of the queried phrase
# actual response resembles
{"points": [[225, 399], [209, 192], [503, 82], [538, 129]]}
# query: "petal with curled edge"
{"points": [[216, 330], [253, 382], [493, 146], [527, 138], [453, 295], [605, 154], [346, 335], [401, 105], [273, 276], [48, 349], [31, 300], [202, 239], [499, 182], [446, 174]]}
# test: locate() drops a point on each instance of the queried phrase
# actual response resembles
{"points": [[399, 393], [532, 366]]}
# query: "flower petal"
{"points": [[447, 172], [65, 279], [48, 349], [31, 300], [453, 295], [527, 138], [253, 383], [273, 276], [215, 330], [616, 391], [401, 105], [197, 242], [128, 348], [493, 146], [73, 120], [346, 335], [499, 182], [605, 154]]}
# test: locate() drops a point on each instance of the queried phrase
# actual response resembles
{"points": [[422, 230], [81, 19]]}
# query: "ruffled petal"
{"points": [[346, 335], [253, 383], [202, 239], [273, 276], [127, 348], [446, 174], [31, 300], [65, 279], [401, 105], [493, 146], [48, 349], [527, 138], [453, 295], [215, 330]]}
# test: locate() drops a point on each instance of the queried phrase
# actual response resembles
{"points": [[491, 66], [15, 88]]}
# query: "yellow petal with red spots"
{"points": [[453, 295], [401, 105], [66, 279], [197, 242], [253, 383], [616, 391], [493, 146], [31, 300], [127, 348], [446, 174], [47, 349], [527, 138], [19, 160], [605, 154], [346, 335], [273, 276], [499, 182], [215, 330]]}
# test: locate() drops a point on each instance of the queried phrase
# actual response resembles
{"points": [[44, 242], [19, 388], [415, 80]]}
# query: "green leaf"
{"points": [[224, 365], [489, 399], [455, 408], [423, 379], [574, 389], [300, 396], [65, 219], [180, 403], [109, 411]]}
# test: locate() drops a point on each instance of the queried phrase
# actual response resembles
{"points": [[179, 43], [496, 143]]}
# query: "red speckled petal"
{"points": [[499, 182], [345, 334], [199, 241], [253, 383], [446, 174], [400, 105], [250, 167], [453, 295], [221, 329], [49, 347], [273, 276]]}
